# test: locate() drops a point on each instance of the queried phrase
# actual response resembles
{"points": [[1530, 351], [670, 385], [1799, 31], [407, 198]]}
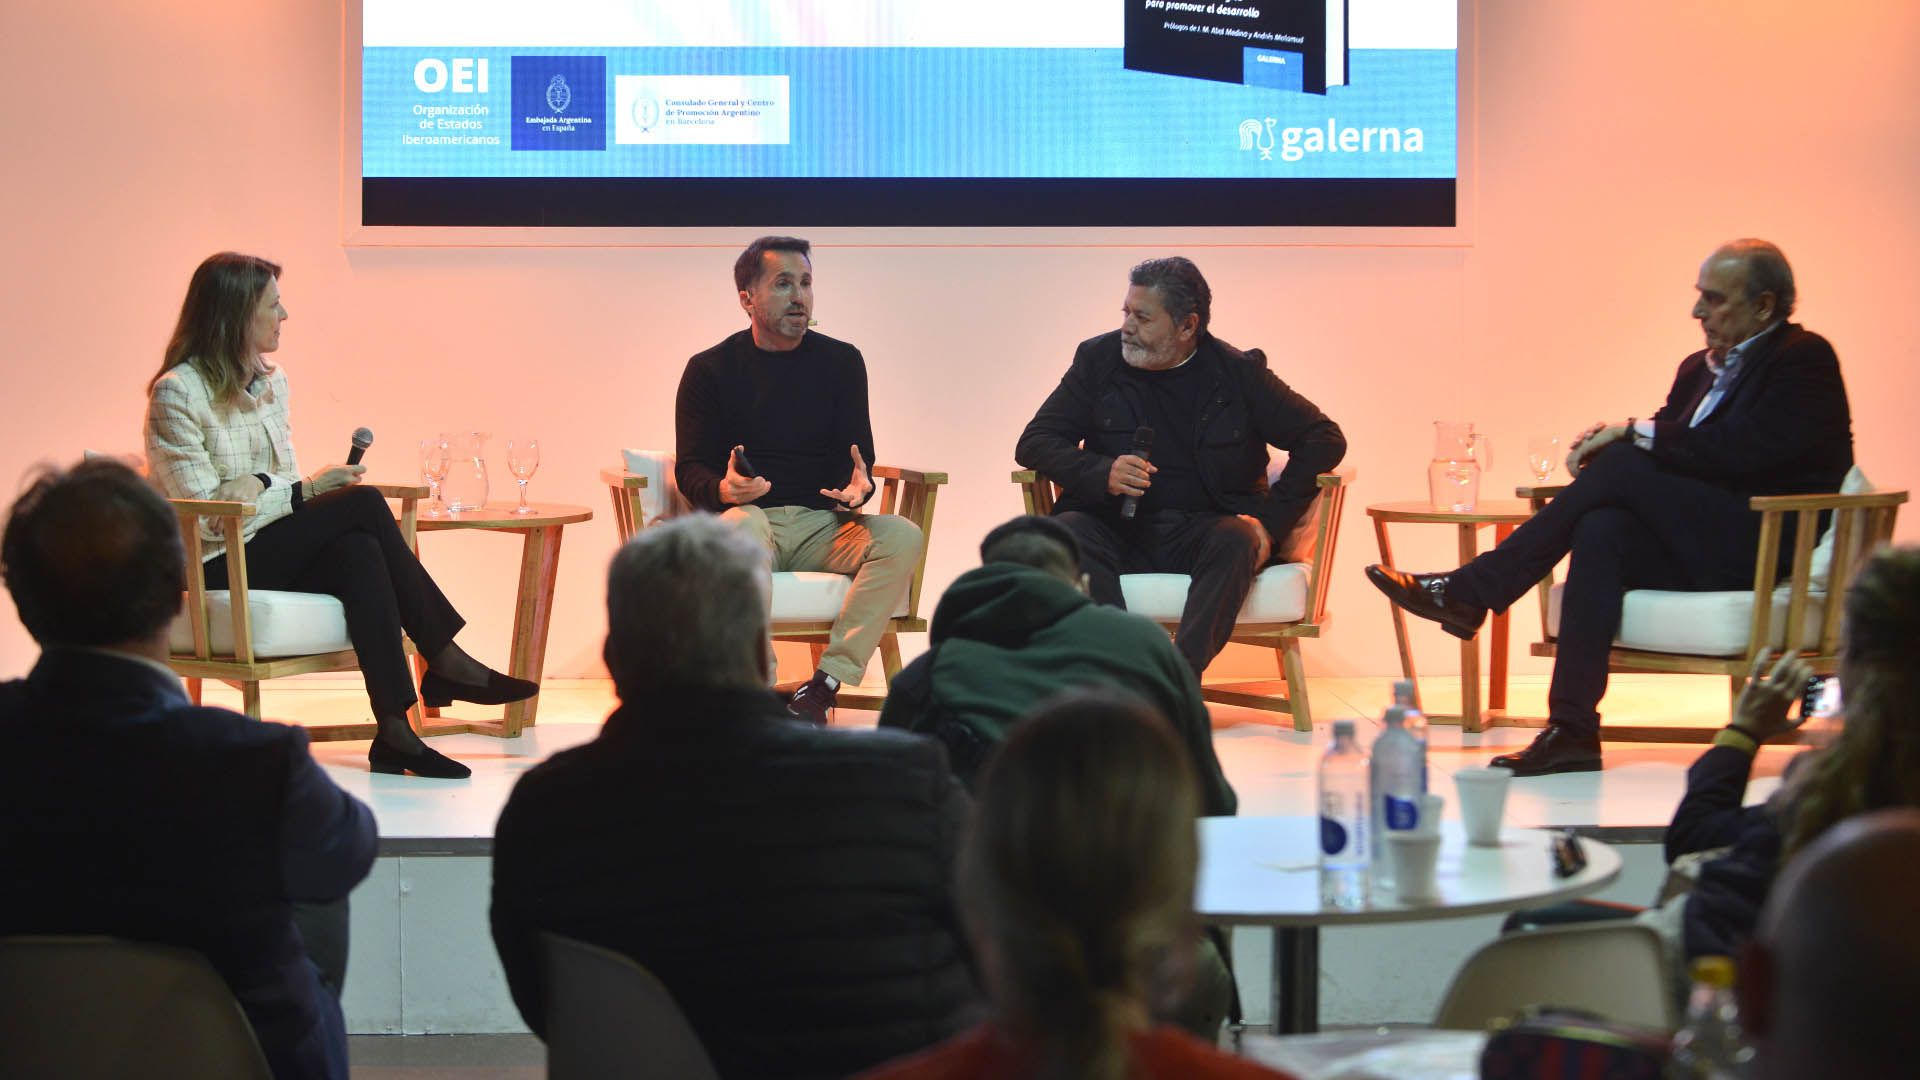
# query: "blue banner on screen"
{"points": [[882, 112]]}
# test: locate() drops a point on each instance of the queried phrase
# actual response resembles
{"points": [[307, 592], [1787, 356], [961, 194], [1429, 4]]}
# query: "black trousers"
{"points": [[1217, 550], [347, 545], [1629, 524]]}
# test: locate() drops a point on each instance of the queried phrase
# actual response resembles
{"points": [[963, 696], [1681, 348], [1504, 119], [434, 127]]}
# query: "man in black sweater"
{"points": [[1205, 506], [773, 434]]}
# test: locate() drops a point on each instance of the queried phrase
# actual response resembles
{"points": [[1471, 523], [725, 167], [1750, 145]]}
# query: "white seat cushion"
{"points": [[1279, 594], [1697, 623], [1855, 483], [813, 596], [284, 624]]}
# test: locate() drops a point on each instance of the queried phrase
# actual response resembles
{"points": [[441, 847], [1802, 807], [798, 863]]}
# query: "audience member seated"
{"points": [[128, 811], [1828, 978], [1077, 881], [788, 884], [1873, 763], [1021, 628]]}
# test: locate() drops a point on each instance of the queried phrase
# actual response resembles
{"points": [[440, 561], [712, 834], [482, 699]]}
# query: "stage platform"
{"points": [[423, 961]]}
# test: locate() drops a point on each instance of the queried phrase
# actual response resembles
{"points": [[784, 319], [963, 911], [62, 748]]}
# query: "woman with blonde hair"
{"points": [[1076, 884], [217, 428]]}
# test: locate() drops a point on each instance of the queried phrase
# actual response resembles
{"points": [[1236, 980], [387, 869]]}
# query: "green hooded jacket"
{"points": [[1006, 637]]}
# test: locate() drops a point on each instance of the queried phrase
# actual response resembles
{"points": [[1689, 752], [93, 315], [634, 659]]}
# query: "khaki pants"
{"points": [[879, 551]]}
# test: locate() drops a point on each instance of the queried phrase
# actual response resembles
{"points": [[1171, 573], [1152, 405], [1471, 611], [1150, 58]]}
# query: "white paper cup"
{"points": [[1414, 855], [1483, 800]]}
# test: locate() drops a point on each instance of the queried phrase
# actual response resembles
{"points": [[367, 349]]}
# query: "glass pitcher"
{"points": [[465, 487], [1453, 476]]}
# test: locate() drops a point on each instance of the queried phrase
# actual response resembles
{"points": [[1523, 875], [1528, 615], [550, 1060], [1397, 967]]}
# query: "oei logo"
{"points": [[461, 75]]}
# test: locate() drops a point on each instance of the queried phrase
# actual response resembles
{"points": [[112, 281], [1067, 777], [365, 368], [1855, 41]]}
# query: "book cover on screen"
{"points": [[1298, 45]]}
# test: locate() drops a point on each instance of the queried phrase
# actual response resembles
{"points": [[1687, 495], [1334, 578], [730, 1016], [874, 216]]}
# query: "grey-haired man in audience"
{"points": [[787, 883]]}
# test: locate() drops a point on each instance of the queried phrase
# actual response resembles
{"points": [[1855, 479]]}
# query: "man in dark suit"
{"points": [[788, 884], [1204, 505], [128, 811], [1661, 503]]}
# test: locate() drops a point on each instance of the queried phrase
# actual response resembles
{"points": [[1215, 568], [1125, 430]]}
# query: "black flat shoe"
{"points": [[1555, 750], [1425, 595], [500, 689], [426, 761]]}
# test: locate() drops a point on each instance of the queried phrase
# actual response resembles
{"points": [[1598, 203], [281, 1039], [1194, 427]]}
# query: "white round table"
{"points": [[1266, 872]]}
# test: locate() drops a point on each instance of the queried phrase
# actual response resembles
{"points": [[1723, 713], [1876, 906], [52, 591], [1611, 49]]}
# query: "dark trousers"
{"points": [[1629, 524], [325, 929], [347, 545], [1216, 550]]}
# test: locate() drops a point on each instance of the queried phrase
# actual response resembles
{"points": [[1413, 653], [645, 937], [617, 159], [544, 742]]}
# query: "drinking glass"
{"points": [[435, 456], [1543, 453], [523, 457]]}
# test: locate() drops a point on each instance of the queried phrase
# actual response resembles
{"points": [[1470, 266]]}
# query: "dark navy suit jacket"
{"points": [[126, 810], [1783, 427]]}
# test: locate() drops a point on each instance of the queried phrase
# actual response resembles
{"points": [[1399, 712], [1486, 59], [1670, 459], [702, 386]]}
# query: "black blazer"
{"points": [[126, 810], [1249, 410], [1783, 427], [789, 885]]}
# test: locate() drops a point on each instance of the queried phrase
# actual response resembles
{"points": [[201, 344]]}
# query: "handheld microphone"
{"points": [[742, 466], [362, 438], [1142, 448]]}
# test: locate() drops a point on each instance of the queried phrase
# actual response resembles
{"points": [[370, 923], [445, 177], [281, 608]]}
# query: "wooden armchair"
{"points": [[243, 636], [1720, 633], [1288, 600], [804, 603]]}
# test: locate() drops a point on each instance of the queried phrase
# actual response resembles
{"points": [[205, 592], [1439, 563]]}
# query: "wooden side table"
{"points": [[539, 564], [1504, 515]]}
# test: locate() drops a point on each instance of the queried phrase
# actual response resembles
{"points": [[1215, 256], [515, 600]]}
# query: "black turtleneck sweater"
{"points": [[796, 413]]}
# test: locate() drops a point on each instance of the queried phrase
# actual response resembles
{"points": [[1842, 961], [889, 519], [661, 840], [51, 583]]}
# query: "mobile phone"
{"points": [[1569, 856], [1820, 697], [741, 465]]}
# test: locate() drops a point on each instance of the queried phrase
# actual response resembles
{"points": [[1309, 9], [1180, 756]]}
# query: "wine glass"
{"points": [[435, 457], [523, 457], [1543, 453]]}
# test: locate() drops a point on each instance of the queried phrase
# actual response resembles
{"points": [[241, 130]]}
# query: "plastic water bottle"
{"points": [[1344, 825], [1711, 1045], [1396, 780], [1414, 720]]}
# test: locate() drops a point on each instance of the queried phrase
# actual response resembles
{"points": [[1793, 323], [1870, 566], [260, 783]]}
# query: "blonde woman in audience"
{"points": [[1076, 885]]}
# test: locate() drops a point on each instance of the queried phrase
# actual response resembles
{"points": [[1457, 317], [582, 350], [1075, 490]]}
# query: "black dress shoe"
{"points": [[1555, 750], [426, 761], [1425, 595], [499, 690]]}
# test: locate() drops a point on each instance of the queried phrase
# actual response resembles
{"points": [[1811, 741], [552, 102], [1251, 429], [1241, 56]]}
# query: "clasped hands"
{"points": [[1131, 474], [737, 489], [1593, 439], [332, 478]]}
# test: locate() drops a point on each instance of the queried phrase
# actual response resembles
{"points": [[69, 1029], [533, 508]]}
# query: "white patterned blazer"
{"points": [[195, 445]]}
